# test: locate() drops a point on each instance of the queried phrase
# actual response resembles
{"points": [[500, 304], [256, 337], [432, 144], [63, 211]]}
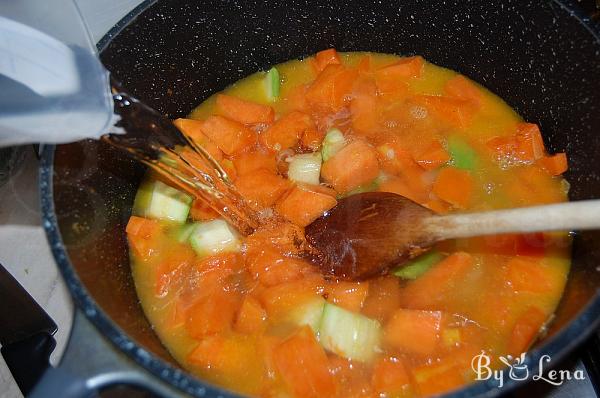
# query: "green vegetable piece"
{"points": [[463, 155], [213, 237], [309, 313], [184, 232], [156, 200], [334, 141], [272, 84], [349, 334], [419, 265]]}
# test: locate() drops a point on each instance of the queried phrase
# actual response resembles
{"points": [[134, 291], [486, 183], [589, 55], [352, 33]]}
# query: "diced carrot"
{"points": [[242, 111], [354, 165], [251, 317], [312, 139], [295, 100], [201, 211], [230, 136], [383, 298], [531, 245], [280, 299], [249, 162], [411, 189], [525, 331], [142, 234], [303, 365], [403, 69], [530, 185], [390, 376], [229, 168], [462, 88], [413, 331], [353, 378], [431, 289], [456, 112], [331, 88], [455, 186], [287, 131], [530, 275], [302, 205], [324, 58], [271, 268], [212, 314], [349, 295], [178, 258], [438, 378], [433, 156], [262, 188], [438, 206], [530, 144], [555, 164], [364, 110], [234, 357], [193, 129], [409, 180]]}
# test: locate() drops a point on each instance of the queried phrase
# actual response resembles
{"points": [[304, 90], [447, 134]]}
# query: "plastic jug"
{"points": [[53, 88]]}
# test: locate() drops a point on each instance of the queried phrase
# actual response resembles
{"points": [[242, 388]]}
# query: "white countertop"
{"points": [[24, 251]]}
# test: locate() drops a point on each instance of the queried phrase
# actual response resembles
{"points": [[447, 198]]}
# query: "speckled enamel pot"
{"points": [[542, 57]]}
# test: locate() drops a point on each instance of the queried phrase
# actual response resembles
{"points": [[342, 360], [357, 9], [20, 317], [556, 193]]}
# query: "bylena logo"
{"points": [[518, 370]]}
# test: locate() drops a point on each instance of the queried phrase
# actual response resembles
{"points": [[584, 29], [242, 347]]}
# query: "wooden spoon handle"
{"points": [[557, 217]]}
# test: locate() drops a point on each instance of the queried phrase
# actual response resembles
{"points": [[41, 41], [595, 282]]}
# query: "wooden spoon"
{"points": [[367, 234]]}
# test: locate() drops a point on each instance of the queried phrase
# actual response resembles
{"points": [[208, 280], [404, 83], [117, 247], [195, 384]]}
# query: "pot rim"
{"points": [[557, 346]]}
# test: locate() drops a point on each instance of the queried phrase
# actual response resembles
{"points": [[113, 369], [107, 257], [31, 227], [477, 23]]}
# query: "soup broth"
{"points": [[242, 312]]}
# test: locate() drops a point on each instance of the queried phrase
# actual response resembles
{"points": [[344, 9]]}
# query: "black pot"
{"points": [[543, 58]]}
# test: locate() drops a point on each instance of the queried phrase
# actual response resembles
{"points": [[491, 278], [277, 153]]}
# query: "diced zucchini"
{"points": [[348, 334], [157, 200], [417, 267], [305, 168], [309, 313], [462, 154], [214, 237], [334, 141], [272, 84]]}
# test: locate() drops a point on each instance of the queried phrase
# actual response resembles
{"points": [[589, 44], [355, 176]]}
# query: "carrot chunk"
{"points": [[438, 378], [330, 90], [212, 314], [271, 267], [403, 69], [287, 131], [555, 164], [413, 331], [142, 234], [454, 186], [364, 110], [525, 331], [324, 58], [530, 275], [462, 88], [303, 205], [433, 156], [242, 111], [530, 144], [433, 288], [455, 112], [383, 298], [201, 211], [348, 295], [390, 376], [262, 188], [193, 129], [249, 162], [354, 165], [303, 365], [230, 136], [280, 299], [312, 139], [251, 317]]}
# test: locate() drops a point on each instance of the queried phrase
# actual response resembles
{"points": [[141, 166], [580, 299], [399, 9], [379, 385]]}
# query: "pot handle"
{"points": [[90, 362]]}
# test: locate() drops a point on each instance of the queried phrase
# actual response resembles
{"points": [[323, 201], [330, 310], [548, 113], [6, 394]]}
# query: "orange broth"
{"points": [[415, 129]]}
